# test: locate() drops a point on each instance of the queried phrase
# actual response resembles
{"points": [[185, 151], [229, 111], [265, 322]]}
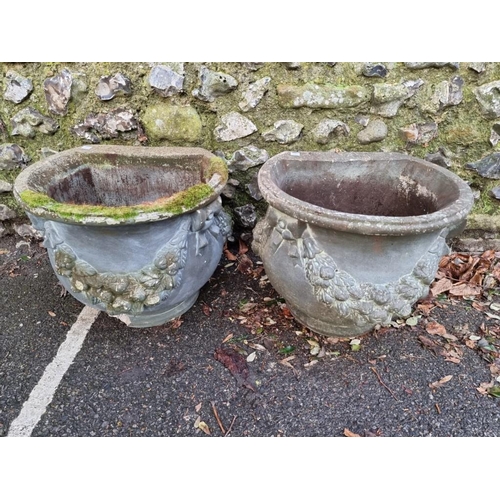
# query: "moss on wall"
{"points": [[463, 130]]}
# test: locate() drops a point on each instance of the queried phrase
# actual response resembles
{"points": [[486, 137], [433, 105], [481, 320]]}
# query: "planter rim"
{"points": [[32, 197], [449, 216]]}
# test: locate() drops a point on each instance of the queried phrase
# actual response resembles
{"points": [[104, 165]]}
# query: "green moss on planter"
{"points": [[217, 166], [176, 204]]}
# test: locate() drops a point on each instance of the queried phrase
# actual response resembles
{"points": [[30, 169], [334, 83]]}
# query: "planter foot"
{"points": [[327, 328], [149, 320]]}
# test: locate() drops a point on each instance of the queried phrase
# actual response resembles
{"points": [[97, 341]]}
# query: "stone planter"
{"points": [[352, 240], [133, 231]]}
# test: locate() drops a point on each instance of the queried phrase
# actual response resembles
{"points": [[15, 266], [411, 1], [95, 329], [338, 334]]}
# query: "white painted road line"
{"points": [[44, 391]]}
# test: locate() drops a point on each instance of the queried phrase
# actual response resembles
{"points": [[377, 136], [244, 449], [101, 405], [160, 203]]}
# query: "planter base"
{"points": [[147, 321], [326, 328]]}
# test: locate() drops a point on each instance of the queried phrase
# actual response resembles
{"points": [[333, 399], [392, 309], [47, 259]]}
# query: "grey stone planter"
{"points": [[133, 231], [352, 240]]}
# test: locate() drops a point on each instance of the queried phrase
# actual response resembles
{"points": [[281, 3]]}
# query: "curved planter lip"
{"points": [[30, 185], [448, 217]]}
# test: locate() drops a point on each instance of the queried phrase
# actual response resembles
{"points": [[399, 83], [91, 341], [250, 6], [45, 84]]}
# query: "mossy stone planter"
{"points": [[133, 231], [352, 240]]}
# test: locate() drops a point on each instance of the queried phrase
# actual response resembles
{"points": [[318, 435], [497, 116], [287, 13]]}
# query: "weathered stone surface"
{"points": [[230, 188], [253, 66], [111, 86], [29, 121], [213, 85], [422, 65], [325, 96], [174, 123], [488, 167], [3, 230], [233, 126], [254, 94], [475, 245], [291, 65], [18, 87], [439, 158], [165, 81], [362, 120], [7, 213], [3, 129], [253, 188], [375, 131], [58, 92], [478, 67], [387, 98], [327, 129], [27, 231], [488, 96], [377, 70], [12, 156], [495, 134], [247, 157], [443, 95], [246, 215], [46, 152], [284, 132], [419, 134], [79, 88], [97, 127], [5, 187], [495, 192]]}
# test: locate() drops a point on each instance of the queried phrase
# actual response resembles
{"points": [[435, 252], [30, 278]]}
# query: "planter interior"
{"points": [[400, 189], [130, 230], [351, 240]]}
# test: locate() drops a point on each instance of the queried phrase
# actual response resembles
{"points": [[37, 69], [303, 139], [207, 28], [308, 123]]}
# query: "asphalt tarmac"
{"points": [[236, 364]]}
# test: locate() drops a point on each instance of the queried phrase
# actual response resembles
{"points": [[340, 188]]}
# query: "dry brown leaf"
{"points": [[464, 290], [245, 264], [243, 247], [176, 323], [478, 306], [236, 364], [440, 382], [435, 328], [247, 307], [425, 308], [441, 286], [286, 311], [350, 434], [229, 255], [453, 357], [471, 344], [483, 388], [227, 338], [477, 279], [204, 427], [206, 309]]}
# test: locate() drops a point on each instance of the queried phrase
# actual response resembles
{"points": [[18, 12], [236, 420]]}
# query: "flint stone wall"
{"points": [[448, 113]]}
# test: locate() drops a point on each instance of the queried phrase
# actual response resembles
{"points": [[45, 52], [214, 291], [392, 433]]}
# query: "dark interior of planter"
{"points": [[116, 186], [393, 190]]}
